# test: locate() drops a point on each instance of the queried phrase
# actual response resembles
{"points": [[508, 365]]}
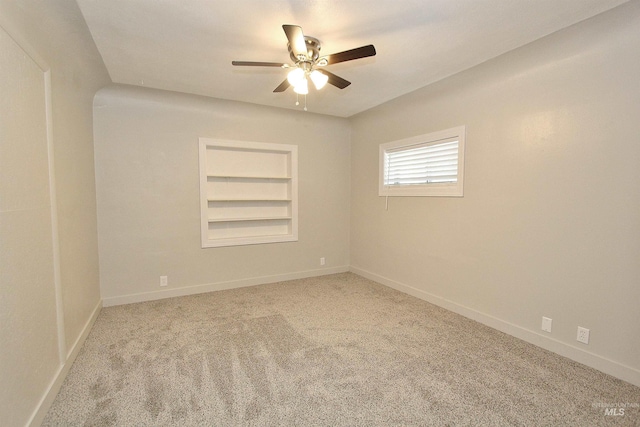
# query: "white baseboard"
{"points": [[54, 387], [220, 286], [611, 367]]}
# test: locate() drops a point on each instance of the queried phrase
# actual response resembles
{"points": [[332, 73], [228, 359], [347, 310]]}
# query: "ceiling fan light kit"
{"points": [[298, 79], [302, 87], [304, 51], [318, 79]]}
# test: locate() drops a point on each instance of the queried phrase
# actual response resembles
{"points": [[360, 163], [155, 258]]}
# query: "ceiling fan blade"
{"points": [[259, 64], [296, 40], [337, 81], [350, 55], [283, 86]]}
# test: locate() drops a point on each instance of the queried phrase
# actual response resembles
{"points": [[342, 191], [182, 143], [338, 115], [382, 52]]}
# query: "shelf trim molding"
{"points": [[238, 219], [249, 177]]}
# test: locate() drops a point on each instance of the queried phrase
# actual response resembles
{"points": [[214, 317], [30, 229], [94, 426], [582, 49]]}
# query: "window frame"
{"points": [[424, 190]]}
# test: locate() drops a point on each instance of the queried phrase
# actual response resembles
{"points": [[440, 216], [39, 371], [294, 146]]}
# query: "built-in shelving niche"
{"points": [[248, 192]]}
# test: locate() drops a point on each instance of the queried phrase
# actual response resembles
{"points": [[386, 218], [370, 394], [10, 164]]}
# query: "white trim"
{"points": [[57, 280], [54, 387], [219, 286], [608, 366]]}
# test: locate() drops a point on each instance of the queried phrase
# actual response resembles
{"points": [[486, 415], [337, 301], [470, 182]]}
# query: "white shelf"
{"points": [[266, 218], [248, 200], [248, 193], [284, 178]]}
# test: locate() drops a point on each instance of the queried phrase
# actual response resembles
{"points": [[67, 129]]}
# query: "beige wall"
{"points": [[27, 303], [146, 154], [549, 224], [48, 257]]}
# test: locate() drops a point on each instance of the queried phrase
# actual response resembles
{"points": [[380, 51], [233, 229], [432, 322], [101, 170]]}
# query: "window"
{"points": [[248, 193], [424, 165]]}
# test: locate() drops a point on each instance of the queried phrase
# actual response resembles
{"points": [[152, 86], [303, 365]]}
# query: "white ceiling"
{"points": [[188, 46]]}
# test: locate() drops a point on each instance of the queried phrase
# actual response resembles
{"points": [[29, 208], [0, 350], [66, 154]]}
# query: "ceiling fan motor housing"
{"points": [[313, 51]]}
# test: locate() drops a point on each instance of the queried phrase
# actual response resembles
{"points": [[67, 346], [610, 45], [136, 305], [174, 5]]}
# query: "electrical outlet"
{"points": [[546, 324], [583, 335], [164, 280], [322, 261]]}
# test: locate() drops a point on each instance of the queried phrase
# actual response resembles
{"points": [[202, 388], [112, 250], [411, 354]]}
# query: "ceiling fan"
{"points": [[308, 64]]}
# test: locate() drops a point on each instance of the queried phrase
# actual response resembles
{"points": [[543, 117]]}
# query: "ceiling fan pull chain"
{"points": [[305, 103], [297, 101]]}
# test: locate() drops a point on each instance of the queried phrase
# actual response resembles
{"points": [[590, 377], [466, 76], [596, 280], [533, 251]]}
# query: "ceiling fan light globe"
{"points": [[296, 76], [302, 88], [319, 79]]}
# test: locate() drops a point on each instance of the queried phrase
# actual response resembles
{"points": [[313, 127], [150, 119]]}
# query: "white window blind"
{"points": [[424, 165]]}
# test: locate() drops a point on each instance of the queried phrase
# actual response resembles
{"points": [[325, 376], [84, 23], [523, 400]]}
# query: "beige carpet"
{"points": [[333, 350]]}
